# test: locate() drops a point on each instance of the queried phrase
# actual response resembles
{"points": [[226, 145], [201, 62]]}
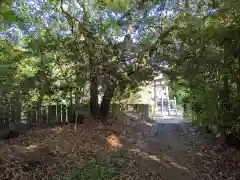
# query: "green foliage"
{"points": [[113, 5], [94, 171], [78, 48], [99, 169], [206, 58], [8, 16]]}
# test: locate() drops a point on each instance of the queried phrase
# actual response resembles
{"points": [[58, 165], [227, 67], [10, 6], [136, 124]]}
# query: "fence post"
{"points": [[56, 115], [146, 111], [66, 113], [168, 105], [161, 104], [61, 112], [46, 110], [175, 104]]}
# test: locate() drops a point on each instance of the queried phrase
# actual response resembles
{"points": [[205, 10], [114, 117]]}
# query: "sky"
{"points": [[48, 15]]}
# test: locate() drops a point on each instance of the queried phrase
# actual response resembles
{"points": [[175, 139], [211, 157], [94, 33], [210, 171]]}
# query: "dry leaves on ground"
{"points": [[148, 151], [45, 153], [51, 153]]}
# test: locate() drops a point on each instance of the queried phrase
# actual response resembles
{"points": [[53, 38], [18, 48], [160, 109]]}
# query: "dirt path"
{"points": [[157, 150], [179, 152]]}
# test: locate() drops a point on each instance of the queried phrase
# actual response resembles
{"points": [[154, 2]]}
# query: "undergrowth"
{"points": [[100, 168]]}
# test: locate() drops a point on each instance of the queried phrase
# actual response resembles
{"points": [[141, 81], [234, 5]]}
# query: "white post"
{"points": [[168, 102], [154, 96], [161, 103]]}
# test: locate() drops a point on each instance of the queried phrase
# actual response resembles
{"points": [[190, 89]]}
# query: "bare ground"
{"points": [[151, 149]]}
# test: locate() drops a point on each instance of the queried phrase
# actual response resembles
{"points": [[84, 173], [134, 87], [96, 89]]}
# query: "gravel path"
{"points": [[174, 150]]}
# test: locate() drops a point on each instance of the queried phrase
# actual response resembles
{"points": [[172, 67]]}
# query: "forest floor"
{"points": [[146, 150]]}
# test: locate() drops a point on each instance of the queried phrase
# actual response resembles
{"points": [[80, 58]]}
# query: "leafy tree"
{"points": [[205, 55], [64, 53], [110, 48]]}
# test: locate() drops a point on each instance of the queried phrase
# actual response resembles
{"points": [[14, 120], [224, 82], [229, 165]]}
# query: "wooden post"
{"points": [[56, 115], [4, 114], [175, 104], [61, 112], [146, 111], [40, 115], [36, 116], [66, 113], [47, 113]]}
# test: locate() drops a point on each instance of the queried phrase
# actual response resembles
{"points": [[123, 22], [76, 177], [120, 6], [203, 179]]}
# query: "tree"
{"points": [[204, 53]]}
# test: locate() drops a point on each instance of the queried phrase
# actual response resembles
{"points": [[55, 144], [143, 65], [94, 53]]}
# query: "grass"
{"points": [[107, 168]]}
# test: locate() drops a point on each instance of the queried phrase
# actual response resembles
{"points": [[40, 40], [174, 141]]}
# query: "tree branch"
{"points": [[83, 29]]}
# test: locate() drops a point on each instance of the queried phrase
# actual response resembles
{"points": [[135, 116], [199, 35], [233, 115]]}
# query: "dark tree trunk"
{"points": [[18, 105], [225, 103], [94, 107], [106, 100], [39, 104], [71, 105]]}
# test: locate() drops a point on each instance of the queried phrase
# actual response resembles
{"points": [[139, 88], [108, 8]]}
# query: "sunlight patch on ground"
{"points": [[139, 152], [199, 154], [57, 130], [165, 160], [32, 147], [173, 163], [113, 142], [148, 124], [168, 117], [165, 117], [179, 166], [135, 150], [133, 115], [155, 158]]}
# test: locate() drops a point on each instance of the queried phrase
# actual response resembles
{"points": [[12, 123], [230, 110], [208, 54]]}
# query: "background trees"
{"points": [[206, 57]]}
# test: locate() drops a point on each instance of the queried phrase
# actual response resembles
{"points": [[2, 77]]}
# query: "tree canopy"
{"points": [[62, 49]]}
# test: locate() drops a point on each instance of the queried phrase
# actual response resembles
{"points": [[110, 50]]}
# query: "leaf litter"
{"points": [[172, 153]]}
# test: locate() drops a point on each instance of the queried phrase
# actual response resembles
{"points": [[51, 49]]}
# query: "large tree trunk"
{"points": [[106, 100], [226, 106], [18, 105], [70, 110], [39, 105], [94, 107]]}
